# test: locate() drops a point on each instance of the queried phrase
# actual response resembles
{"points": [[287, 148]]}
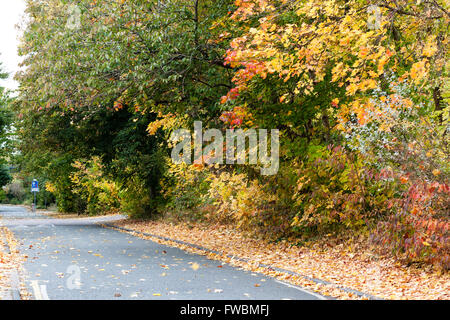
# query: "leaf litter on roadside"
{"points": [[351, 266]]}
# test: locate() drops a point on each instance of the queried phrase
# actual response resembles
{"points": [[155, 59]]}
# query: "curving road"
{"points": [[77, 259]]}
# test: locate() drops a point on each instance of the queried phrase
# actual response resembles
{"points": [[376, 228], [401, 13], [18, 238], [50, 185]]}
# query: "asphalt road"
{"points": [[73, 259]]}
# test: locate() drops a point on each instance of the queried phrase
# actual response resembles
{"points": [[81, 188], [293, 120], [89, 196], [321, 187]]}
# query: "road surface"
{"points": [[77, 259]]}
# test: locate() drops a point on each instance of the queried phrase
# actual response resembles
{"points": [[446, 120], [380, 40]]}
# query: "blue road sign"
{"points": [[34, 186]]}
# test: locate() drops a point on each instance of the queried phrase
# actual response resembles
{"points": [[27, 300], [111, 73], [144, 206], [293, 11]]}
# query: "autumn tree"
{"points": [[349, 45], [102, 72]]}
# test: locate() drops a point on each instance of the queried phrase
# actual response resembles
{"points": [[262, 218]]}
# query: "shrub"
{"points": [[336, 190], [3, 198], [100, 194], [247, 204], [185, 186], [409, 146], [15, 191], [135, 198], [419, 229]]}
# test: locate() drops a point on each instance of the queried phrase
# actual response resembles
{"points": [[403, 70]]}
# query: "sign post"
{"points": [[34, 189]]}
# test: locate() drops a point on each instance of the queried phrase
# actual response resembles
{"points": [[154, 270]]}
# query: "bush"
{"points": [[59, 183], [409, 146], [136, 200], [254, 206], [100, 194], [337, 190], [15, 192], [419, 229], [3, 197], [185, 186]]}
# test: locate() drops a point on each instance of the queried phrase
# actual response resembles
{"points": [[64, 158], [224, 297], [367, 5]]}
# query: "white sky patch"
{"points": [[11, 13]]}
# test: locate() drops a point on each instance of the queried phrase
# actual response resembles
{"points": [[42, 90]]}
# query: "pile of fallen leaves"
{"points": [[6, 265], [350, 264], [10, 262]]}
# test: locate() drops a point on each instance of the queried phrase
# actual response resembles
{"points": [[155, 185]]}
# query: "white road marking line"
{"points": [[44, 292], [303, 290], [40, 292], [36, 290]]}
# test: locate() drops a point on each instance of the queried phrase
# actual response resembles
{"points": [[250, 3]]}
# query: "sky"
{"points": [[11, 12]]}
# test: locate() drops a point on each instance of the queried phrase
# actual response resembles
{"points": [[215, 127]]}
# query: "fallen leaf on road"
{"points": [[195, 266]]}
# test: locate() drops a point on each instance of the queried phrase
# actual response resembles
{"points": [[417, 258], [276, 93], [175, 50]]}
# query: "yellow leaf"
{"points": [[195, 266], [436, 172]]}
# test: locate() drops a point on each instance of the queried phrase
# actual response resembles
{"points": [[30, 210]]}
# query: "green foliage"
{"points": [[185, 187], [3, 197], [136, 200], [145, 54], [59, 172], [5, 177], [138, 164], [6, 120], [105, 81]]}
